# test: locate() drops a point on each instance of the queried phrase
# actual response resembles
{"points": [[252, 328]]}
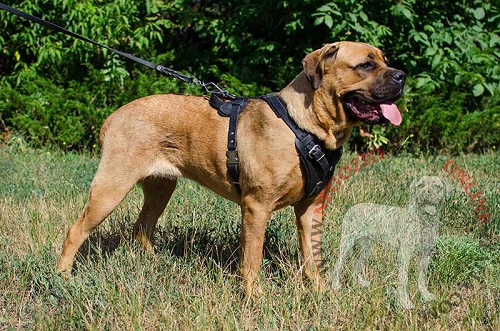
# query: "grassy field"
{"points": [[191, 281]]}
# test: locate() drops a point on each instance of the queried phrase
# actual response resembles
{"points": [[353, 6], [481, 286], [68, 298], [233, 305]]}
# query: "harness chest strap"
{"points": [[232, 110], [318, 162]]}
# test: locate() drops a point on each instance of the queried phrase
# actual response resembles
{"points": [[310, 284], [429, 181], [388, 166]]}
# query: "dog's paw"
{"points": [[336, 286], [428, 296], [64, 270], [405, 303], [363, 282]]}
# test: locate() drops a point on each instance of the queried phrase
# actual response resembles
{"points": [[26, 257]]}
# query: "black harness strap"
{"points": [[318, 162], [232, 152], [231, 109]]}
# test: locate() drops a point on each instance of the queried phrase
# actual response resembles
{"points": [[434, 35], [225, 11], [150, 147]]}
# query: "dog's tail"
{"points": [[104, 128]]}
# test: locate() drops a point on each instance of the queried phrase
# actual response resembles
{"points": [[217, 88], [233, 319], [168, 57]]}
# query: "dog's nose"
{"points": [[399, 76]]}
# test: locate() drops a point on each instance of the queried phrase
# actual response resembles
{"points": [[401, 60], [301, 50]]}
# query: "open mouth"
{"points": [[373, 113]]}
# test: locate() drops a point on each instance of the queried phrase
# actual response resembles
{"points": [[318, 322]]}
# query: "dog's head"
{"points": [[429, 194], [358, 74]]}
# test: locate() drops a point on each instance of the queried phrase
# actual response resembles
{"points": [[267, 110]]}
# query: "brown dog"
{"points": [[154, 140]]}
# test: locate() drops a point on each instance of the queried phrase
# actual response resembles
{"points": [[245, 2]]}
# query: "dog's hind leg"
{"points": [[111, 184], [366, 248], [157, 193]]}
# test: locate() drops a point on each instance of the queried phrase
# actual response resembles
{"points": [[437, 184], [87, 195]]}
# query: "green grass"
{"points": [[191, 281]]}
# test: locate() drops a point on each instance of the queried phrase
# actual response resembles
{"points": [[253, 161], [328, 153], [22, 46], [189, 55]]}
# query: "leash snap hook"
{"points": [[213, 88]]}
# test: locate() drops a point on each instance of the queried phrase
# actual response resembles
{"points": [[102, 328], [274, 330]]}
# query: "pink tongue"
{"points": [[391, 112]]}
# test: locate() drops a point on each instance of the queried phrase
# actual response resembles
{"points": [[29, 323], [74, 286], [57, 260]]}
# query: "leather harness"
{"points": [[317, 161]]}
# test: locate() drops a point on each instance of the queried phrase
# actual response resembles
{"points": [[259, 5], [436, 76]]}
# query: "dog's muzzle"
{"points": [[373, 113], [377, 106]]}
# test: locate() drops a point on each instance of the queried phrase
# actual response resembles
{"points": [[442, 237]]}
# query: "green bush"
{"points": [[49, 114], [57, 90], [444, 122]]}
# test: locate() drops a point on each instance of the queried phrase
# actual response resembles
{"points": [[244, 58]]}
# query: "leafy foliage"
{"points": [[57, 90]]}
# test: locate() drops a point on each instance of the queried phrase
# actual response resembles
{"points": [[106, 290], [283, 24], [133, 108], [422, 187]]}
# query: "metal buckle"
{"points": [[313, 151], [232, 156]]}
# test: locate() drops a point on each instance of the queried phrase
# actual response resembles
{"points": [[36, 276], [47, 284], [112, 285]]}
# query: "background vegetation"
{"points": [[57, 90], [191, 281]]}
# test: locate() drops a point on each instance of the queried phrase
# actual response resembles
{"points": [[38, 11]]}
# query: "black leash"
{"points": [[210, 88]]}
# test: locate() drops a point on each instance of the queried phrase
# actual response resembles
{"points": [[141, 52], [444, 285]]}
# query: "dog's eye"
{"points": [[366, 66]]}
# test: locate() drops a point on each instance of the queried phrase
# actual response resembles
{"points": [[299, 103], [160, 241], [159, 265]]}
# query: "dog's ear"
{"points": [[447, 188], [314, 63], [413, 188]]}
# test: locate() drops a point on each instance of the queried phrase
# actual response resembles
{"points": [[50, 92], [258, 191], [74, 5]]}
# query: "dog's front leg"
{"points": [[254, 219], [422, 277], [404, 258], [309, 218]]}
